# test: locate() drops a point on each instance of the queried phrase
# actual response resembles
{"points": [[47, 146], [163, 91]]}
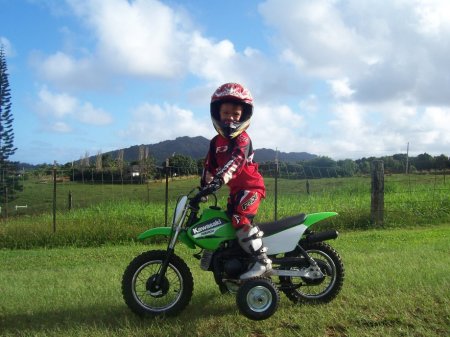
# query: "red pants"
{"points": [[243, 207]]}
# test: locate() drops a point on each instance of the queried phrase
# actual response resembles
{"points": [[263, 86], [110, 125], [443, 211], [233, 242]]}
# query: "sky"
{"points": [[343, 79]]}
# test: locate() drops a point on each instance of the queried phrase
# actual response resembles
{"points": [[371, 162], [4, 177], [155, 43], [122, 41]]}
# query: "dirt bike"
{"points": [[305, 269]]}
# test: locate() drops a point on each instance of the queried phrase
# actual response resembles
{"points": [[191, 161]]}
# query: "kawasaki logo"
{"points": [[205, 227]]}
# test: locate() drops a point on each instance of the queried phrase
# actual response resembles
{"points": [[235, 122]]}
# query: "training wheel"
{"points": [[257, 298]]}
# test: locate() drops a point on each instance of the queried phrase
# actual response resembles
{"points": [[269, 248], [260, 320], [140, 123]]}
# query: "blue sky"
{"points": [[344, 79]]}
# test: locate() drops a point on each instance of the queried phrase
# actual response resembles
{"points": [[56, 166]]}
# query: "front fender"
{"points": [[316, 217], [166, 231]]}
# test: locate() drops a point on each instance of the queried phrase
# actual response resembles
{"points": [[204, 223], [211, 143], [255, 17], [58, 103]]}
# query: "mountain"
{"points": [[262, 155], [196, 148]]}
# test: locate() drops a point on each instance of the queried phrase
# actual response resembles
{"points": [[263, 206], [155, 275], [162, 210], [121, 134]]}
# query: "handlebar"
{"points": [[204, 191]]}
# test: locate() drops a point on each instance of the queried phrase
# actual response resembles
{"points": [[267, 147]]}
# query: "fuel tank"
{"points": [[212, 229]]}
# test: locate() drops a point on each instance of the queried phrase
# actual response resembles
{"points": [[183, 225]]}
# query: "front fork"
{"points": [[171, 249]]}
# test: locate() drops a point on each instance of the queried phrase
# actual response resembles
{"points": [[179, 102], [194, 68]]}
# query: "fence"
{"points": [[377, 199]]}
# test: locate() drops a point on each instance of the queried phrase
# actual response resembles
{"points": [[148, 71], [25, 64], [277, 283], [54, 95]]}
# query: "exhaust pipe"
{"points": [[322, 236]]}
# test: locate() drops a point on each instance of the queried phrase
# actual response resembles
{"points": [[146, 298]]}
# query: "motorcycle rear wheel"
{"points": [[144, 297], [300, 290]]}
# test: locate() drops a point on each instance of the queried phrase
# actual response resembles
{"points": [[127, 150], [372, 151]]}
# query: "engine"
{"points": [[230, 261], [233, 268]]}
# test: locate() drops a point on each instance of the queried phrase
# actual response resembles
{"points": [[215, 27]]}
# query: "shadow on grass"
{"points": [[116, 318]]}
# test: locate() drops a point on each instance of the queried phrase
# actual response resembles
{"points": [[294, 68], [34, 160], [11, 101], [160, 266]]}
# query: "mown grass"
{"points": [[397, 284], [117, 214]]}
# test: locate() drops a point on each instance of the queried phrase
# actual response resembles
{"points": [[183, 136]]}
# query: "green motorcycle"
{"points": [[305, 269]]}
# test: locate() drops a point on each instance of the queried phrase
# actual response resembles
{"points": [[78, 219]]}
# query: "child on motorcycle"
{"points": [[230, 161]]}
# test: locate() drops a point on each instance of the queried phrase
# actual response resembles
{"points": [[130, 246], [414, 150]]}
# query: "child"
{"points": [[230, 161]]}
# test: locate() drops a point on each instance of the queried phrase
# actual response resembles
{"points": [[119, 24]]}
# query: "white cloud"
{"points": [[147, 38], [57, 108], [379, 68], [432, 17], [386, 66], [314, 36], [59, 127], [142, 37], [382, 56], [56, 105], [310, 104], [277, 127], [341, 88], [71, 73], [211, 61], [437, 121], [384, 129], [152, 123], [88, 114], [60, 65]]}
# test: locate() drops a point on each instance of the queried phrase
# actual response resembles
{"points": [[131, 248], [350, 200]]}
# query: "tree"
{"points": [[120, 162], [347, 167], [9, 182], [6, 128], [183, 165], [423, 161], [442, 162]]}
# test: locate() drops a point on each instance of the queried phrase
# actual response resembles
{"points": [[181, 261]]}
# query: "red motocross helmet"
{"points": [[231, 93]]}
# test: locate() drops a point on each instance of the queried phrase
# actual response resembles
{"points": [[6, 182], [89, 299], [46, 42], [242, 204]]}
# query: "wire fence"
{"points": [[417, 197], [422, 196]]}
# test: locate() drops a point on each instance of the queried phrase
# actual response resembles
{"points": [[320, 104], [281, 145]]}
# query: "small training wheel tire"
{"points": [[258, 298]]}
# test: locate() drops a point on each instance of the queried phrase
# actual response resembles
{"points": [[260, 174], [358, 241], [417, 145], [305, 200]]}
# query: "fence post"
{"points": [[54, 197], [167, 191], [70, 200], [277, 170], [377, 200], [6, 203]]}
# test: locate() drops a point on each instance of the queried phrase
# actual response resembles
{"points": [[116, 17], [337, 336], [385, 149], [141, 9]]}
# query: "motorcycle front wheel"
{"points": [[147, 297], [303, 290]]}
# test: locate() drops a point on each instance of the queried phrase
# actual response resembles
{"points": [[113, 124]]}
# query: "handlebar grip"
{"points": [[202, 193]]}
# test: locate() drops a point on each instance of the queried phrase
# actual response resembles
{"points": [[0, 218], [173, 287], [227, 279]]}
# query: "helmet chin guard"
{"points": [[231, 130], [231, 93]]}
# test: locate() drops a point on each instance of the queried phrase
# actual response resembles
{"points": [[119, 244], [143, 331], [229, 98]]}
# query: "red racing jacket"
{"points": [[232, 160]]}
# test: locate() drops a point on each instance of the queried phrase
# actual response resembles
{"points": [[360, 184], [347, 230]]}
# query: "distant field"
{"points": [[105, 213], [397, 284]]}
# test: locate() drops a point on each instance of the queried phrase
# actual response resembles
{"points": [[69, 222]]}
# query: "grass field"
{"points": [[111, 214], [397, 284]]}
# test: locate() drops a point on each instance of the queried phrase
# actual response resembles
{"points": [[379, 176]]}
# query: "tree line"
{"points": [[105, 168], [324, 166]]}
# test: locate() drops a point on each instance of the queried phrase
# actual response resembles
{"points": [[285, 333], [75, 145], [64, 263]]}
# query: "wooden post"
{"points": [[54, 197], [377, 202], [6, 203], [167, 193], [70, 201], [277, 171]]}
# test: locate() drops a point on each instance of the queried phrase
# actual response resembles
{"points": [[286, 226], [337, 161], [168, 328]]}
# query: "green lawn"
{"points": [[397, 284]]}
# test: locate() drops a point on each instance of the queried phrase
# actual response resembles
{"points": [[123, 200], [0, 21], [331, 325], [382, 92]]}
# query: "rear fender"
{"points": [[166, 231], [316, 217]]}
